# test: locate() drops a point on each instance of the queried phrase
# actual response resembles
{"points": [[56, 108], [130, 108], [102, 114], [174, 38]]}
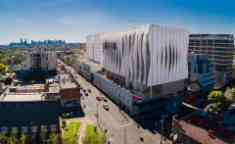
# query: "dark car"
{"points": [[89, 90], [106, 107], [105, 100], [99, 98]]}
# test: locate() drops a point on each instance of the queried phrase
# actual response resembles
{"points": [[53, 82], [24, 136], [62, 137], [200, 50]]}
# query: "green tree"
{"points": [[218, 101], [92, 136], [12, 139], [230, 95], [53, 138], [23, 139], [3, 68], [215, 96], [69, 60], [63, 124], [4, 139]]}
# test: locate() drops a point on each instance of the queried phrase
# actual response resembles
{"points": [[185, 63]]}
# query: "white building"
{"points": [[43, 58], [146, 56], [95, 48]]}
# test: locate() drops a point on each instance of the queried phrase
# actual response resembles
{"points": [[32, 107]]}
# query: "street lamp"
{"points": [[97, 110], [162, 129]]}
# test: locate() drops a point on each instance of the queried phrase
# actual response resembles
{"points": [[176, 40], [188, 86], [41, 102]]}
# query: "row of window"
{"points": [[31, 129], [225, 45], [211, 48]]}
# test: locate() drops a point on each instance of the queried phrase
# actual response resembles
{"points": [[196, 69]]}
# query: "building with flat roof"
{"points": [[70, 93], [29, 109], [145, 57], [29, 117], [42, 58], [194, 126], [40, 64], [219, 48]]}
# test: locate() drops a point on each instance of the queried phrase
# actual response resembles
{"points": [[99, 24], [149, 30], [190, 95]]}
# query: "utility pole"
{"points": [[162, 129], [97, 113]]}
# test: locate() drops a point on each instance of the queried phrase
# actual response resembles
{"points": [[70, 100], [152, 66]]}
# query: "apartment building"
{"points": [[219, 48], [42, 58]]}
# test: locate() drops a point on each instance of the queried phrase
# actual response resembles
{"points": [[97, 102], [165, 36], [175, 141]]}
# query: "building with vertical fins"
{"points": [[144, 57]]}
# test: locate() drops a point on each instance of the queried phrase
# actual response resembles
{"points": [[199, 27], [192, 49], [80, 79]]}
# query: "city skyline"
{"points": [[73, 20]]}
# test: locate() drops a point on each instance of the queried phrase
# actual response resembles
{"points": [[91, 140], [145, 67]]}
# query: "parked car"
{"points": [[105, 100], [99, 98], [106, 107]]}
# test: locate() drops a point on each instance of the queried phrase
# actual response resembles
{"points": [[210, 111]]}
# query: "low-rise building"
{"points": [[194, 126], [28, 111], [70, 93]]}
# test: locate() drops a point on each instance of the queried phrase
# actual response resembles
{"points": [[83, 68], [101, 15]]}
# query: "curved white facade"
{"points": [[149, 55]]}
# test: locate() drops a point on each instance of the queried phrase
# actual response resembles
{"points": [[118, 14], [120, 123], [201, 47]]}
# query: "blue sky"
{"points": [[72, 20]]}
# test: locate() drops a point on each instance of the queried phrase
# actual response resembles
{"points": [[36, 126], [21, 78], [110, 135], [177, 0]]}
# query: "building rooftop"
{"points": [[28, 93], [204, 128], [66, 82], [54, 88], [212, 36], [21, 97], [67, 85]]}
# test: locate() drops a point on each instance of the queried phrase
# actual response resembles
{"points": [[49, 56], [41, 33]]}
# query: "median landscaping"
{"points": [[70, 132], [93, 136]]}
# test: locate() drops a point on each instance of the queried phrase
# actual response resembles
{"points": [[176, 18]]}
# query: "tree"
{"points": [[53, 138], [3, 68], [23, 139], [215, 96], [218, 101], [3, 138], [233, 93], [68, 60], [63, 124], [230, 94]]}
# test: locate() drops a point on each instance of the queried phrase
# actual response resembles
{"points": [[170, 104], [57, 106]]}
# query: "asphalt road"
{"points": [[121, 129]]}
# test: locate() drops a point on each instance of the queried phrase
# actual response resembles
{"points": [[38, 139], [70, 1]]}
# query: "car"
{"points": [[98, 98], [89, 90], [105, 100], [106, 107]]}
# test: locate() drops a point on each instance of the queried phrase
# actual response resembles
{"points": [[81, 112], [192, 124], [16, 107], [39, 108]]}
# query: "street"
{"points": [[120, 128]]}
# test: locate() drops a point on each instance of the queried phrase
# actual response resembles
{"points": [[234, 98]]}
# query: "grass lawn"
{"points": [[70, 133], [92, 136]]}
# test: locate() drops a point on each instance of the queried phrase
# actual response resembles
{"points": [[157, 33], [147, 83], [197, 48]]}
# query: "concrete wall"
{"points": [[119, 95]]}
